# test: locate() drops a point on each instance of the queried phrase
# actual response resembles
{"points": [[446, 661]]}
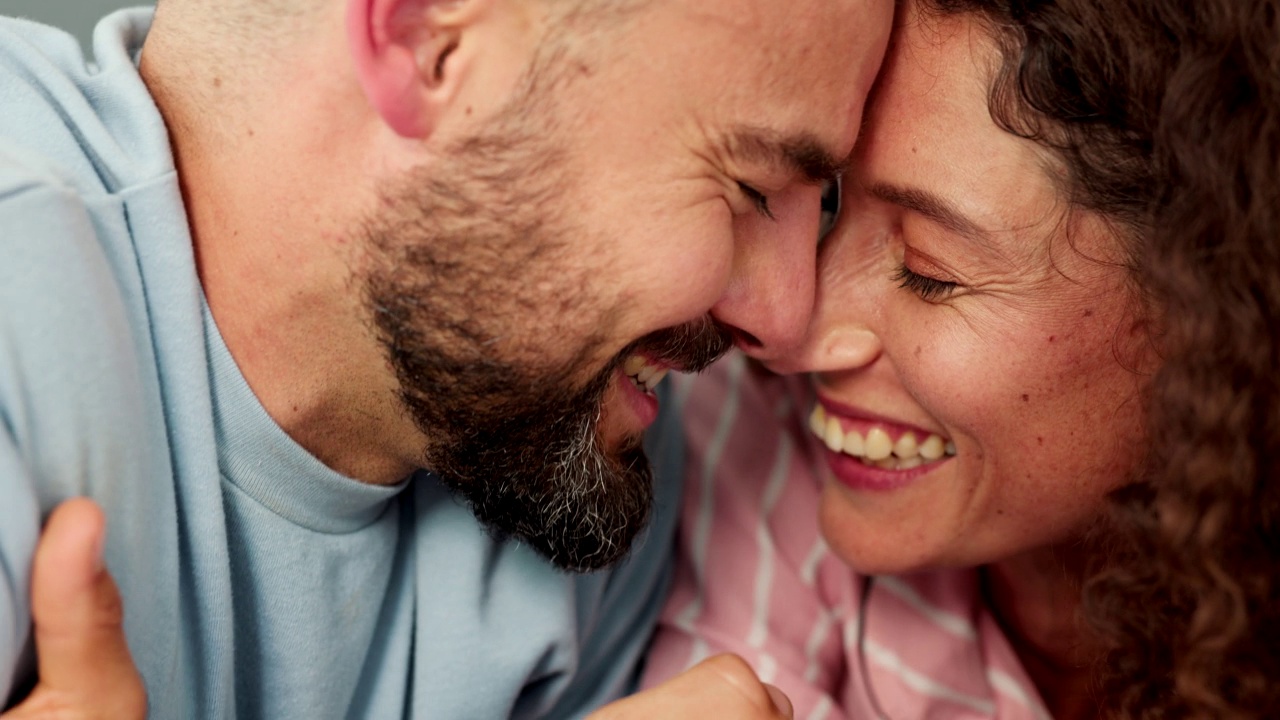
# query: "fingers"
{"points": [[723, 686], [734, 672], [780, 701], [85, 668]]}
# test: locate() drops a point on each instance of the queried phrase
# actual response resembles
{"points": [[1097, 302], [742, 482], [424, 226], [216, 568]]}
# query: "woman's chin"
{"points": [[866, 546]]}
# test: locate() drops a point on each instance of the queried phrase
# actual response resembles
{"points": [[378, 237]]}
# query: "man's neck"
{"points": [[270, 222], [1036, 598]]}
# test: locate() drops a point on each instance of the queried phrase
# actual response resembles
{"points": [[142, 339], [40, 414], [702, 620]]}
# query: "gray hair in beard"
{"points": [[500, 347], [497, 345]]}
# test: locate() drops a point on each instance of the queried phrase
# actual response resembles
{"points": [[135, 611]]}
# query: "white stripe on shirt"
{"points": [[817, 639], [764, 570], [706, 515], [922, 683], [1006, 685], [767, 668], [809, 570], [822, 710], [948, 621]]}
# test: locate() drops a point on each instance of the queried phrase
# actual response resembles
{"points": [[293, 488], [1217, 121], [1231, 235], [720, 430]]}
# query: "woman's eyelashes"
{"points": [[927, 288], [757, 198]]}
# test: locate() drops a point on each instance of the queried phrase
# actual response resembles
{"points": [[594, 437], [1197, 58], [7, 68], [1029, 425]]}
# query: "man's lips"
{"points": [[645, 363], [637, 395]]}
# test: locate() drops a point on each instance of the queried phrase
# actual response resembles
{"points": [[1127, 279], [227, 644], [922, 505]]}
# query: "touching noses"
{"points": [[842, 334], [833, 344], [769, 300]]}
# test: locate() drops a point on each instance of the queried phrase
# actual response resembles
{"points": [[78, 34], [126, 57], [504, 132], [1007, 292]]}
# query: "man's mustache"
{"points": [[687, 348]]}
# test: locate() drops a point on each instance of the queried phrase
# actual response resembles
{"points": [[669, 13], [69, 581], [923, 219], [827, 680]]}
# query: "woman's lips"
{"points": [[869, 452]]}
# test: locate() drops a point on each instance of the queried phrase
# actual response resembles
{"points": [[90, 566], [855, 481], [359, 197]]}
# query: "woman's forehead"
{"points": [[930, 135]]}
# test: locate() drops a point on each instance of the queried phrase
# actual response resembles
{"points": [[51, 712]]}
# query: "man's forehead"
{"points": [[800, 90], [760, 34], [779, 83], [763, 15]]}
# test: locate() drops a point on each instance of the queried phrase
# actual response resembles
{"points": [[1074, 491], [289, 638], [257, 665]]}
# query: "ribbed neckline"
{"points": [[258, 457]]}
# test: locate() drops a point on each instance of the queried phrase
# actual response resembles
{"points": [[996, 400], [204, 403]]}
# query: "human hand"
{"points": [[85, 670], [723, 686]]}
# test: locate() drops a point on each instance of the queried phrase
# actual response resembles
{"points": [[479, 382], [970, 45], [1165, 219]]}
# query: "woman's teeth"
{"points": [[644, 374], [876, 447]]}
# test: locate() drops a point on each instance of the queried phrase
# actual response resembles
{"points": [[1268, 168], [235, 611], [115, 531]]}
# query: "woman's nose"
{"points": [[830, 347]]}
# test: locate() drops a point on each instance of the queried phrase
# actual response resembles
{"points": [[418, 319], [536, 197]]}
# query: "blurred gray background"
{"points": [[77, 16]]}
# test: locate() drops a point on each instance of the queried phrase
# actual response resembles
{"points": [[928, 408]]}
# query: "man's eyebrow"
{"points": [[801, 153], [932, 206]]}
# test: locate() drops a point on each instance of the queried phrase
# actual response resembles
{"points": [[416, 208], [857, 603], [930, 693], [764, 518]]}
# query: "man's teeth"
{"points": [[876, 448], [644, 374]]}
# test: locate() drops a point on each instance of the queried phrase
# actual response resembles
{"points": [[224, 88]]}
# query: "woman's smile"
{"points": [[971, 341], [869, 452]]}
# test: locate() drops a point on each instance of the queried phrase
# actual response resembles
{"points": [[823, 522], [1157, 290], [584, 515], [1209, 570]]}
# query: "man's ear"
{"points": [[401, 50]]}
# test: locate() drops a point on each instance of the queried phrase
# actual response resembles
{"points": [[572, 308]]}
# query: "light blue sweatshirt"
{"points": [[257, 582]]}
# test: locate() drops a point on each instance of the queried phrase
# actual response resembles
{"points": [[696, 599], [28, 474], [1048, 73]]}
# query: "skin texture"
{"points": [[670, 236], [453, 269], [507, 215], [85, 668], [1018, 365], [86, 672], [720, 686], [288, 144], [1027, 364]]}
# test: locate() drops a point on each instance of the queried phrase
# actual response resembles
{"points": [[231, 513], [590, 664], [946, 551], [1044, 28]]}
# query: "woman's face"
{"points": [[962, 303]]}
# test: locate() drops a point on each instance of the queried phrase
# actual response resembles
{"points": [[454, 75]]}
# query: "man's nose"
{"points": [[769, 299], [843, 331]]}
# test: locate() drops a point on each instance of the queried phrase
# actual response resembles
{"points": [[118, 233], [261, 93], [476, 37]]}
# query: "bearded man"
{"points": [[349, 315]]}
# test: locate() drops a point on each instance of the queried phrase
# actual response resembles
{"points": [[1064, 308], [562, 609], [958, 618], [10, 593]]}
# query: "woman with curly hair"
{"points": [[1042, 422]]}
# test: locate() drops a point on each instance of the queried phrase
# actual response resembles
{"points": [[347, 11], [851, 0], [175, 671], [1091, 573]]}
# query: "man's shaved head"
{"points": [[450, 227], [249, 51], [225, 38], [266, 16]]}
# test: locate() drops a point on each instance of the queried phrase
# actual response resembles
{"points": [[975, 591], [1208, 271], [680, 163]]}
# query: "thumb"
{"points": [[735, 672], [780, 700], [83, 659], [722, 686]]}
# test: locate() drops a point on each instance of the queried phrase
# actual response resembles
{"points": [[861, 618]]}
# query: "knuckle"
{"points": [[735, 672], [731, 667], [108, 606]]}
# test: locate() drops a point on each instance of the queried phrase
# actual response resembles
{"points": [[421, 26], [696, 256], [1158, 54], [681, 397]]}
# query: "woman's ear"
{"points": [[402, 51]]}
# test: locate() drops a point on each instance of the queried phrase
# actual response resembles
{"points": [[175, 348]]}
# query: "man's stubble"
{"points": [[487, 299]]}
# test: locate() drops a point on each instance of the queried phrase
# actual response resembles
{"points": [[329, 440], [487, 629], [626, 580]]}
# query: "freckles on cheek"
{"points": [[988, 396]]}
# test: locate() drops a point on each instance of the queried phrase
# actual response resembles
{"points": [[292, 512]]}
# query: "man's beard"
{"points": [[493, 337]]}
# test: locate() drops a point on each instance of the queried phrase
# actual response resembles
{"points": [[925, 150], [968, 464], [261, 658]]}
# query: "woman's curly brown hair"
{"points": [[1167, 113]]}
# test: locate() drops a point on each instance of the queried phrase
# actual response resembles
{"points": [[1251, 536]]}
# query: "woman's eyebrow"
{"points": [[932, 206], [801, 153]]}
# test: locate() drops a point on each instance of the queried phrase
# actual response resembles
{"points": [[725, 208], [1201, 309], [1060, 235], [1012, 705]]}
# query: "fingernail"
{"points": [[99, 549], [780, 700]]}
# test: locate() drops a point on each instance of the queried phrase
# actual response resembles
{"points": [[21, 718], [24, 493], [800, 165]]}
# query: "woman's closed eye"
{"points": [[927, 288]]}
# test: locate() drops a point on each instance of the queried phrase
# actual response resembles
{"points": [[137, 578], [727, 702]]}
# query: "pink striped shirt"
{"points": [[754, 577]]}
